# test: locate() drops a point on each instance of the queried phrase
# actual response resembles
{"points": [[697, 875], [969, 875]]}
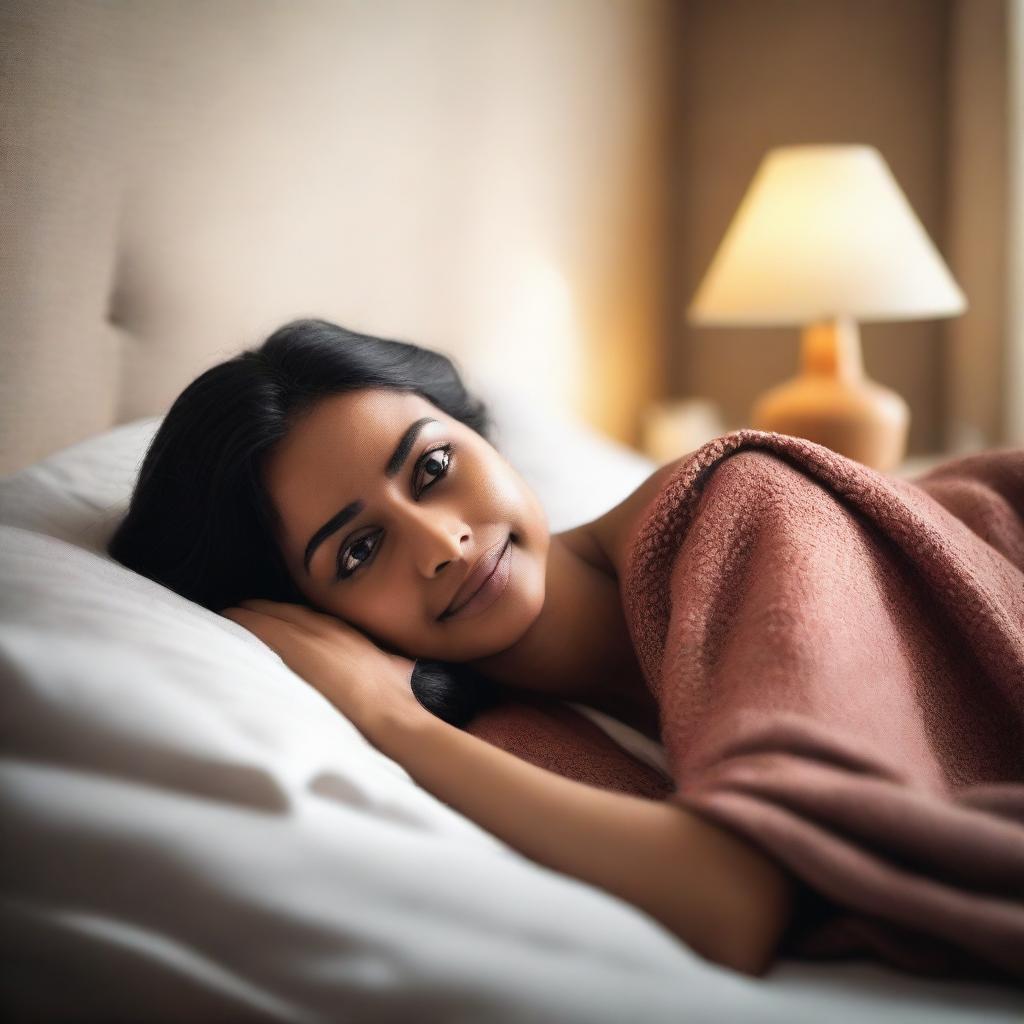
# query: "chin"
{"points": [[504, 623]]}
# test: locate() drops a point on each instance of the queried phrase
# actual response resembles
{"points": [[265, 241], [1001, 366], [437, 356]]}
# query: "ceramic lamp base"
{"points": [[833, 403]]}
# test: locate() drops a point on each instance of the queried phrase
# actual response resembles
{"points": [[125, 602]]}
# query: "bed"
{"points": [[193, 833]]}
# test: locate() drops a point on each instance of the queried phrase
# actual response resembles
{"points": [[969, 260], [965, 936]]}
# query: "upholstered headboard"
{"points": [[179, 178]]}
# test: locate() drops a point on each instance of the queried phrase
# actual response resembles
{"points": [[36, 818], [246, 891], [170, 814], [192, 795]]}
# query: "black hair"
{"points": [[200, 521]]}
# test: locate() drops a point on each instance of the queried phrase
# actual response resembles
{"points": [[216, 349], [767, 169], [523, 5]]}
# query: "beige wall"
{"points": [[535, 186], [754, 74], [483, 178], [984, 382], [1013, 391]]}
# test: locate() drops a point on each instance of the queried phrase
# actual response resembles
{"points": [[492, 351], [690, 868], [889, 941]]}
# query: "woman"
{"points": [[336, 494]]}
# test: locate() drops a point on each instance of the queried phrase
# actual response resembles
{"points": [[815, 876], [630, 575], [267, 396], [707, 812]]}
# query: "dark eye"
{"points": [[361, 550], [436, 463]]}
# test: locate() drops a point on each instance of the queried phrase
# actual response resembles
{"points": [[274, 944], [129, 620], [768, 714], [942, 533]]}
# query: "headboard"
{"points": [[179, 178]]}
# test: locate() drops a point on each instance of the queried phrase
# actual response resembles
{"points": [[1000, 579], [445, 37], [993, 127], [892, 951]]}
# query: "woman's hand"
{"points": [[369, 686]]}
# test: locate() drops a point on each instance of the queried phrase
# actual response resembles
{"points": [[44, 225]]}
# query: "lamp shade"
{"points": [[824, 231]]}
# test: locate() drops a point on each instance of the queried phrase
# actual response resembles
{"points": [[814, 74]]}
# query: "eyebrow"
{"points": [[350, 511]]}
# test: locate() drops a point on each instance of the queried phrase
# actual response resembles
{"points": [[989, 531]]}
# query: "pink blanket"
{"points": [[837, 659]]}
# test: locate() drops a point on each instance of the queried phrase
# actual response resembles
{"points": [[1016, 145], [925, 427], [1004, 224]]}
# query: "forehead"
{"points": [[355, 433], [373, 415]]}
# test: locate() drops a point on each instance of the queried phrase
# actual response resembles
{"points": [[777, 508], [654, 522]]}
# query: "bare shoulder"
{"points": [[604, 542]]}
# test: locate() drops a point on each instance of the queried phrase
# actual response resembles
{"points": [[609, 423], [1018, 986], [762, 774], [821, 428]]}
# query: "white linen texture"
{"points": [[191, 832]]}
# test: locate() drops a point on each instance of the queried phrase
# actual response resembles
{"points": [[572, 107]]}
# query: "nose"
{"points": [[436, 537]]}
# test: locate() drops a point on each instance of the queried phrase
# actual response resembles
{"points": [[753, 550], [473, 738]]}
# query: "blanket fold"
{"points": [[837, 657]]}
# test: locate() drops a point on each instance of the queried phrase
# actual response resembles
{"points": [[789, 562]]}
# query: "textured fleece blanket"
{"points": [[837, 660]]}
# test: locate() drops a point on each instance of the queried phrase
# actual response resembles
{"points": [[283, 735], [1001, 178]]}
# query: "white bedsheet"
{"points": [[191, 832]]}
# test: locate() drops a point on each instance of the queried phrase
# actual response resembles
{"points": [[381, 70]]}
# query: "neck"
{"points": [[578, 647]]}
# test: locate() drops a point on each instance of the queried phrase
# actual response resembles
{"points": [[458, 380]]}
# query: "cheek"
{"points": [[508, 498], [531, 514], [382, 610]]}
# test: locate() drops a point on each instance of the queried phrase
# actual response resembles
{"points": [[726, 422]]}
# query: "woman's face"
{"points": [[417, 518]]}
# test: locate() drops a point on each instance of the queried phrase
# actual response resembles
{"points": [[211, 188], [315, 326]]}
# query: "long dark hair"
{"points": [[200, 520]]}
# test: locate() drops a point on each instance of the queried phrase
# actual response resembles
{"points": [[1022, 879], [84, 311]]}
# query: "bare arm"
{"points": [[717, 893]]}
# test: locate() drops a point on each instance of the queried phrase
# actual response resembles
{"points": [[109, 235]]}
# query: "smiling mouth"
{"points": [[454, 609]]}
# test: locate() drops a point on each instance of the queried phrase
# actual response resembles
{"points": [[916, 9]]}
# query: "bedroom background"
{"points": [[535, 188]]}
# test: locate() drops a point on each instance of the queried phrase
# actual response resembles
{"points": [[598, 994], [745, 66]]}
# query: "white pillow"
{"points": [[178, 799]]}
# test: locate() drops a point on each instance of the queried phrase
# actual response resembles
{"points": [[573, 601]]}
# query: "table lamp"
{"points": [[825, 238]]}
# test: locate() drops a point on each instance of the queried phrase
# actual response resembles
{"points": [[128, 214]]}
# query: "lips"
{"points": [[485, 565]]}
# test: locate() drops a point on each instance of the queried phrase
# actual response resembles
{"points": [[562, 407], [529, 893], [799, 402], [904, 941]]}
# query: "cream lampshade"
{"points": [[824, 239]]}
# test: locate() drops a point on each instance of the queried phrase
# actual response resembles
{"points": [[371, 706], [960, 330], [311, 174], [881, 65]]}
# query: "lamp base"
{"points": [[834, 404]]}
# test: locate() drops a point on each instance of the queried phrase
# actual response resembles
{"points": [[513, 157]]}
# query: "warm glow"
{"points": [[824, 231]]}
